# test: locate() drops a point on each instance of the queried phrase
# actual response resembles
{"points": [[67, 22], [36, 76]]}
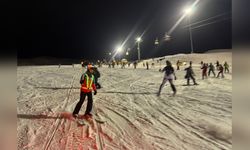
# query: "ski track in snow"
{"points": [[198, 117]]}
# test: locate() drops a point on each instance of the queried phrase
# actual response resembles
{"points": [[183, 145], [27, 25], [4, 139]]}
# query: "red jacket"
{"points": [[88, 83]]}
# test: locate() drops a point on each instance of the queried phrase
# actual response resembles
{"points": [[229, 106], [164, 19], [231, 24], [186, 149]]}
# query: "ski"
{"points": [[80, 122]]}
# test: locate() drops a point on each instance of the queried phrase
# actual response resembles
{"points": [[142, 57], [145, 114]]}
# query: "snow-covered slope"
{"points": [[198, 117]]}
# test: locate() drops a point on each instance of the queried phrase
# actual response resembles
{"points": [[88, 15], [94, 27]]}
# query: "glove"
{"points": [[95, 92]]}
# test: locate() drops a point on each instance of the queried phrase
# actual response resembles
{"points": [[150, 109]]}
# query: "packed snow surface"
{"points": [[197, 118]]}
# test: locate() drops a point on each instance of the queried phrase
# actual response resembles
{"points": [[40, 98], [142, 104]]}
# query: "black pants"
{"points": [[211, 70], [226, 70], [89, 104], [222, 75], [171, 84], [188, 79]]}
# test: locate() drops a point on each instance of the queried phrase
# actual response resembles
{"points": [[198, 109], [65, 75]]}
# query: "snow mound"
{"points": [[217, 130]]}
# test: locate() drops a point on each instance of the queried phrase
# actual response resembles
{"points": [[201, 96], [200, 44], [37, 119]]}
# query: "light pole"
{"points": [[188, 12], [190, 35], [138, 40]]}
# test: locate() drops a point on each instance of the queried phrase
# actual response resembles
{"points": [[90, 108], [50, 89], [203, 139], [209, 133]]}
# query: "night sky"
{"points": [[90, 29]]}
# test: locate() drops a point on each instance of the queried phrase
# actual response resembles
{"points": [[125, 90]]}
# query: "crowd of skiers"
{"points": [[89, 79], [206, 68]]}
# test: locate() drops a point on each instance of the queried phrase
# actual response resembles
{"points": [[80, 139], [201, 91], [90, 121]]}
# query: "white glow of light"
{"points": [[181, 18], [119, 49], [138, 39], [189, 10]]}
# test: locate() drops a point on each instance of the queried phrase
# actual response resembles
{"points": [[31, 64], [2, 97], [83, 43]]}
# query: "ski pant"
{"points": [[226, 70], [204, 74], [222, 75], [210, 72], [171, 84], [188, 79], [178, 67], [89, 104]]}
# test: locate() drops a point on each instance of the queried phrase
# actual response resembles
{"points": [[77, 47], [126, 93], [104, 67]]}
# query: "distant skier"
{"points": [[147, 65], [88, 84], [204, 71], [123, 65], [178, 64], [169, 76], [135, 64], [113, 64], [143, 64], [191, 63], [221, 71], [190, 74], [153, 65], [217, 65], [211, 69], [226, 67]]}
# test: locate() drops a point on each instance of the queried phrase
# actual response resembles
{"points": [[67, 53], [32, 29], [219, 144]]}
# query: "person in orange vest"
{"points": [[87, 82]]}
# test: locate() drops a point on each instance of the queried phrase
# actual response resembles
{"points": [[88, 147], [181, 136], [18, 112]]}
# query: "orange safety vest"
{"points": [[87, 85]]}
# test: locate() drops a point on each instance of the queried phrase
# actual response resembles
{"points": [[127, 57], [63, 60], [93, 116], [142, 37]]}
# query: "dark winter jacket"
{"points": [[211, 67], [189, 72], [168, 70]]}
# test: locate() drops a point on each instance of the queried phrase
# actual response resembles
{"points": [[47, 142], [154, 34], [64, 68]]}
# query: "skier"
{"points": [[178, 65], [88, 84], [221, 70], [211, 69], [97, 75], [226, 67], [123, 65], [135, 64], [204, 71], [190, 74], [147, 65], [128, 64], [113, 64], [217, 65], [143, 64], [152, 65], [169, 76]]}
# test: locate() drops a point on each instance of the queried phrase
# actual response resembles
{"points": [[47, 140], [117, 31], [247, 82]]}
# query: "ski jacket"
{"points": [[204, 68], [211, 67], [189, 72], [87, 82], [168, 70], [221, 69], [226, 65]]}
